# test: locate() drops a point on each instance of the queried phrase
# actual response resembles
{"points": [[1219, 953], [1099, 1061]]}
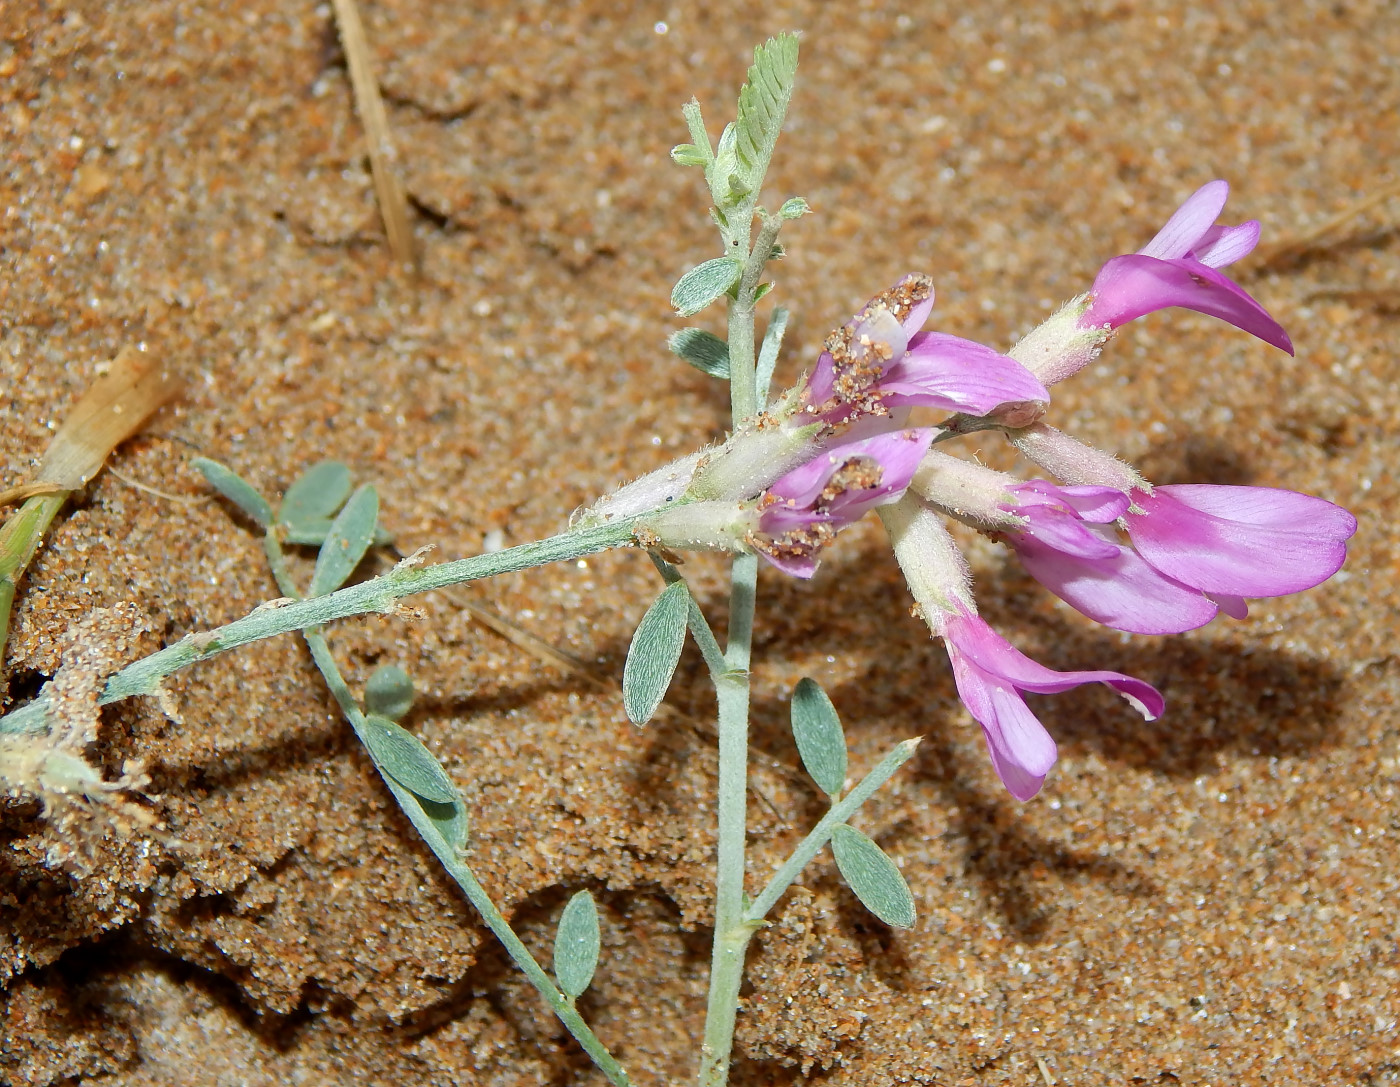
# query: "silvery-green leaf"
{"points": [[576, 945], [314, 533], [316, 495], [873, 877], [389, 692], [450, 820], [654, 653], [763, 103], [703, 350], [794, 208], [703, 284], [236, 489], [349, 538], [820, 740], [761, 290], [402, 756], [768, 352]]}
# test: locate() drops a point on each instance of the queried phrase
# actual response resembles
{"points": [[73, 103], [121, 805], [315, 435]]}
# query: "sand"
{"points": [[1208, 899]]}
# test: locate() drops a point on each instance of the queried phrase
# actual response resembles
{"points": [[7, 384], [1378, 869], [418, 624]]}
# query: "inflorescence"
{"points": [[1136, 557]]}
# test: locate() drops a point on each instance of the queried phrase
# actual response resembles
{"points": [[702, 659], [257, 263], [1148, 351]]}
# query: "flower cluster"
{"points": [[1138, 558]]}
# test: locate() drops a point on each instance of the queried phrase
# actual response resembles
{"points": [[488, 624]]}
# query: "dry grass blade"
{"points": [[112, 410], [388, 186], [1295, 247]]}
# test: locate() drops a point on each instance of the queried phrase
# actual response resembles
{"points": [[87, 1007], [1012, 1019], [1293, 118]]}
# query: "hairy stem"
{"points": [[732, 930], [378, 595], [444, 850], [821, 833]]}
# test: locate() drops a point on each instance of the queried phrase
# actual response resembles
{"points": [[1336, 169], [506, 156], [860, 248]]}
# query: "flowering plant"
{"points": [[796, 469]]}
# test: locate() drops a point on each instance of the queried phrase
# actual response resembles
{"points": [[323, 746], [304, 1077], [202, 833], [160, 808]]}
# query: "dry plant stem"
{"points": [[447, 856], [1295, 246], [379, 595], [388, 186]]}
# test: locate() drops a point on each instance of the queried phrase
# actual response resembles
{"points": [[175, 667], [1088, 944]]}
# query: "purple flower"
{"points": [[1178, 268], [803, 510], [881, 360], [1199, 550], [1068, 546], [1233, 542], [991, 674]]}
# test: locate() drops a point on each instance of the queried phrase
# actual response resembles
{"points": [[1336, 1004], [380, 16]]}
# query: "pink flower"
{"points": [[1233, 542], [991, 674], [1068, 546], [1178, 268], [804, 509], [881, 360], [1199, 550]]}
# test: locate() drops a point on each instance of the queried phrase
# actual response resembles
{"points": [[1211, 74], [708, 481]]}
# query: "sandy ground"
{"points": [[1209, 899]]}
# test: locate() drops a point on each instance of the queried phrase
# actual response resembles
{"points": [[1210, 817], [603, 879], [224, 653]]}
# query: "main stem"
{"points": [[732, 931]]}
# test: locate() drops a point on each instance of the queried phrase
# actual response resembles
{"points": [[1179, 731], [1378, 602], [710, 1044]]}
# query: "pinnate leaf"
{"points": [[763, 103]]}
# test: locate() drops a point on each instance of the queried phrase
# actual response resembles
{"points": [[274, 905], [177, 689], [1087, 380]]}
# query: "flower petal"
{"points": [[953, 374], [993, 654], [1122, 592], [1189, 222], [1131, 286], [1270, 543], [1224, 245], [1022, 751]]}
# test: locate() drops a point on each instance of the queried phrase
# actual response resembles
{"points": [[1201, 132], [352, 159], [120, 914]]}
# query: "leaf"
{"points": [[402, 756], [314, 532], [654, 653], [450, 820], [820, 740], [235, 488], [703, 284], [768, 352], [763, 103], [703, 350], [316, 495], [576, 945], [873, 877], [794, 208], [346, 543], [389, 692]]}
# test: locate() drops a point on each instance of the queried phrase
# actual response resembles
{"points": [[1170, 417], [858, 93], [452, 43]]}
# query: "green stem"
{"points": [[379, 595], [732, 930], [19, 539], [444, 850], [821, 833]]}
